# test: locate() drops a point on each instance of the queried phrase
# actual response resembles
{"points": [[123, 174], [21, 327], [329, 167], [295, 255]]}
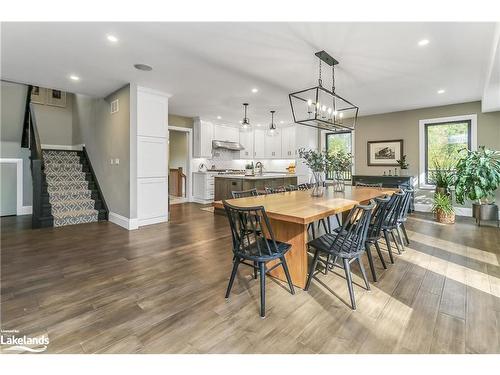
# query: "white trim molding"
{"points": [[421, 141], [20, 209], [189, 174], [122, 221], [153, 220], [63, 147]]}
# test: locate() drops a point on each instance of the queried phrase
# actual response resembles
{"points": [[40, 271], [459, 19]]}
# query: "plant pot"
{"points": [[485, 211], [444, 218], [405, 172], [248, 172]]}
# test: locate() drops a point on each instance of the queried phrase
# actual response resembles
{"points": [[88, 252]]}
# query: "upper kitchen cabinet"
{"points": [[203, 137], [246, 140], [288, 142], [259, 149], [272, 147], [226, 133]]}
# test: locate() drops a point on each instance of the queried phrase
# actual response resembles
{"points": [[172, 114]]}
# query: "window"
{"points": [[336, 142], [440, 141]]}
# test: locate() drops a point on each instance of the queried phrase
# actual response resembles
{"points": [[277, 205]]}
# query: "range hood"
{"points": [[232, 146]]}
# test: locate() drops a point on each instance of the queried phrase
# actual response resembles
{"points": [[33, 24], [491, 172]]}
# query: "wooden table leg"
{"points": [[296, 258]]}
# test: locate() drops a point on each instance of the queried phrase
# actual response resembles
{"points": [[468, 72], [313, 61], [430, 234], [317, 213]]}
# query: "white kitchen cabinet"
{"points": [[226, 133], [288, 150], [273, 146], [259, 149], [203, 186], [246, 140], [202, 138]]}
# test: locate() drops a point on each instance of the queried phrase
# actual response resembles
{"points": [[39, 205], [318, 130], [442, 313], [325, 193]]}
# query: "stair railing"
{"points": [[30, 139]]}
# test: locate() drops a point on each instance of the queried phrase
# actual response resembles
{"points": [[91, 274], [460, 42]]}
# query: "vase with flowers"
{"points": [[316, 161]]}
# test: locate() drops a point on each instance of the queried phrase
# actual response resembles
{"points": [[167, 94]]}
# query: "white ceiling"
{"points": [[210, 68]]}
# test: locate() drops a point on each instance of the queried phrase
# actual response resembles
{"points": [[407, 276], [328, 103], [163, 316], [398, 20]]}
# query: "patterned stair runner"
{"points": [[69, 193]]}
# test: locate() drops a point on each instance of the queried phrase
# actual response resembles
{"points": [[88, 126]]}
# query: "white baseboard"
{"points": [[63, 147], [129, 224], [202, 201], [153, 220], [459, 211], [26, 210]]}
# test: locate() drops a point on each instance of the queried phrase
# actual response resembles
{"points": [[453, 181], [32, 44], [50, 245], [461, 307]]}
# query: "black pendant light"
{"points": [[321, 108], [245, 123], [272, 131]]}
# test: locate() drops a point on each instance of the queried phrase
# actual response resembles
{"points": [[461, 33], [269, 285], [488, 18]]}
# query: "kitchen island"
{"points": [[225, 184]]}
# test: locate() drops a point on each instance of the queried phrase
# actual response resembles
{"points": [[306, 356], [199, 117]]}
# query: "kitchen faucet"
{"points": [[259, 167]]}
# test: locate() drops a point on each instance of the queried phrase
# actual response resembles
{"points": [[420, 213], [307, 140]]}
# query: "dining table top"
{"points": [[302, 208]]}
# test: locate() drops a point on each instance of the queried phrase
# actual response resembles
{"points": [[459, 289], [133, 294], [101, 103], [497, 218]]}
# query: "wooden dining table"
{"points": [[291, 212]]}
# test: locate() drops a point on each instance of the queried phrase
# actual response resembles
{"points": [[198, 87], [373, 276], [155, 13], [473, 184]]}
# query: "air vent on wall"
{"points": [[114, 106]]}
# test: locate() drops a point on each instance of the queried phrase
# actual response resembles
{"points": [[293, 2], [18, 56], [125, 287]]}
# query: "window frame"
{"points": [[325, 139], [423, 141]]}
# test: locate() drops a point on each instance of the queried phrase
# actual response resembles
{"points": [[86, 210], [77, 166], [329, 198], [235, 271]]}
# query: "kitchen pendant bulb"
{"points": [[273, 130], [245, 123]]}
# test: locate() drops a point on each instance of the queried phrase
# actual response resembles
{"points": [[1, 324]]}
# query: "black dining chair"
{"points": [[374, 185], [404, 216], [390, 225], [245, 193], [378, 218], [292, 188], [348, 243], [248, 225]]}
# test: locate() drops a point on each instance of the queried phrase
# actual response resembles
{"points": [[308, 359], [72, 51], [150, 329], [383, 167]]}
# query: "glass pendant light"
{"points": [[245, 123], [272, 131]]}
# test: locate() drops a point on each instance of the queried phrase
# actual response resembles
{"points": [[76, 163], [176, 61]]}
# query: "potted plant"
{"points": [[477, 178], [338, 163], [443, 208], [249, 171], [443, 175], [316, 161], [403, 164]]}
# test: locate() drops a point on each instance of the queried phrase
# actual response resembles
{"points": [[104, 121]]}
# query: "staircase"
{"points": [[73, 194]]}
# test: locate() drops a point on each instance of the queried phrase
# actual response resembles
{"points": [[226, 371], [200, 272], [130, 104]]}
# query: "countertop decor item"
{"points": [[442, 207], [249, 171], [320, 107], [403, 164], [477, 178]]}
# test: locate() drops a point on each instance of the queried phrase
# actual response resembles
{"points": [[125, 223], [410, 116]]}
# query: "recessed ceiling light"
{"points": [[282, 122], [259, 125], [218, 117], [143, 67], [441, 91], [112, 38], [423, 42], [74, 78], [255, 90]]}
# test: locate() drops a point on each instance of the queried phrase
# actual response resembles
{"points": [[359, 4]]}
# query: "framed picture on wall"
{"points": [[38, 95], [56, 98], [384, 153]]}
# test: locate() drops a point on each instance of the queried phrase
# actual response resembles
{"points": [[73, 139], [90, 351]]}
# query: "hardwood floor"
{"points": [[97, 288]]}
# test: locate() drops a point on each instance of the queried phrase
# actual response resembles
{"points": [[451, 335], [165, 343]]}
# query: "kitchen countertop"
{"points": [[265, 176]]}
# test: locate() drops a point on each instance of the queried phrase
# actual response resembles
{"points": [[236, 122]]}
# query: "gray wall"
{"points": [[13, 97], [107, 136], [55, 124], [405, 125], [180, 121], [178, 149]]}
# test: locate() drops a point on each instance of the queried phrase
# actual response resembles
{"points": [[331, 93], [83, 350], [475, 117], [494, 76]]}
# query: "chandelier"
{"points": [[321, 108]]}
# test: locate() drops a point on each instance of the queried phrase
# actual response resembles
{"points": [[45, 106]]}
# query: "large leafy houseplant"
{"points": [[477, 175]]}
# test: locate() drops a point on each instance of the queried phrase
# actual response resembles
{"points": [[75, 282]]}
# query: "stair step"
{"points": [[75, 217], [72, 205], [69, 195], [68, 168], [65, 186], [65, 177]]}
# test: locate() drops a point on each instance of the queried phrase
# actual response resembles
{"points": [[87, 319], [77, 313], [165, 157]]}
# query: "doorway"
{"points": [[179, 165]]}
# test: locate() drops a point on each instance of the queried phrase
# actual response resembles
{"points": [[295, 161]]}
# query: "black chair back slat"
{"points": [[244, 193], [374, 185], [379, 216], [274, 190], [394, 207], [248, 228]]}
